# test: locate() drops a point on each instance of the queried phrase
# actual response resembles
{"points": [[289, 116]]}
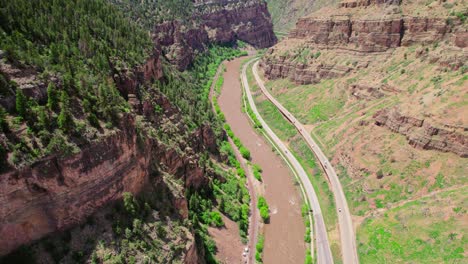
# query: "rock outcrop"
{"points": [[302, 73], [219, 22], [356, 35], [421, 134], [128, 81], [364, 3], [227, 21], [362, 33], [57, 193]]}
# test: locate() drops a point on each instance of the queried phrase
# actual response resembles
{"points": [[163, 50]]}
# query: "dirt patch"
{"points": [[227, 241]]}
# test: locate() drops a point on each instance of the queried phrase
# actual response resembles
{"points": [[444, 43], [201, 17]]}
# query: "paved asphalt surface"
{"points": [[348, 239], [321, 240]]}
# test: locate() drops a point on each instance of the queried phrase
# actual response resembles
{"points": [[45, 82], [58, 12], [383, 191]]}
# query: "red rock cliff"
{"points": [[219, 22], [373, 27], [57, 193]]}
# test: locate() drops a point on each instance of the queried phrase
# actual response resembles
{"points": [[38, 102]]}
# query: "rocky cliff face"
{"points": [[362, 32], [57, 193], [219, 22], [421, 134]]}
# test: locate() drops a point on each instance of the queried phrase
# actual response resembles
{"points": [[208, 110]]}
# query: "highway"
{"points": [[348, 239], [321, 240]]}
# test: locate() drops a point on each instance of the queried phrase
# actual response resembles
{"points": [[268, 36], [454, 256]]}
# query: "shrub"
{"points": [[216, 219], [264, 209], [241, 172], [308, 259], [307, 235], [130, 204], [257, 171], [244, 152], [65, 118], [260, 243], [59, 144]]}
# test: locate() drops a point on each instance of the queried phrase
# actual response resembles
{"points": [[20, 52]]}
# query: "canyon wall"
{"points": [[363, 34], [220, 22], [358, 36], [56, 193]]}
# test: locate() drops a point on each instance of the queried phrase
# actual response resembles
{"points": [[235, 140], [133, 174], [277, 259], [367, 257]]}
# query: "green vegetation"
{"points": [[264, 209], [256, 122], [308, 259], [433, 238], [76, 44], [66, 38], [150, 12], [275, 120], [242, 149], [257, 171], [259, 249], [233, 199], [21, 104]]}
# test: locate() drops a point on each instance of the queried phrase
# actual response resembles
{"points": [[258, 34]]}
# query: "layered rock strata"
{"points": [[422, 134], [56, 193], [365, 35]]}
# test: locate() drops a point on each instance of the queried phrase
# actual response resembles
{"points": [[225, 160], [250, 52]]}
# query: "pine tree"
{"points": [[222, 205], [65, 118], [21, 103], [52, 98], [3, 121], [43, 119]]}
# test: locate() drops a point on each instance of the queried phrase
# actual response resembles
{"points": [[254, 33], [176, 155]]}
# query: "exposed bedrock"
{"points": [[422, 134], [219, 22], [56, 193], [360, 37]]}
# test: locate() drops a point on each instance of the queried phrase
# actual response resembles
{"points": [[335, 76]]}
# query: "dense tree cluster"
{"points": [[74, 46], [149, 12], [66, 35]]}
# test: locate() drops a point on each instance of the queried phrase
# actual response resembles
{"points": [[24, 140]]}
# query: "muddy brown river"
{"points": [[284, 235]]}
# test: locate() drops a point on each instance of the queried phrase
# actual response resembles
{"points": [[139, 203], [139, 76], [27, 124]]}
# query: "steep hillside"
{"points": [[382, 86], [197, 24], [285, 13], [92, 110]]}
